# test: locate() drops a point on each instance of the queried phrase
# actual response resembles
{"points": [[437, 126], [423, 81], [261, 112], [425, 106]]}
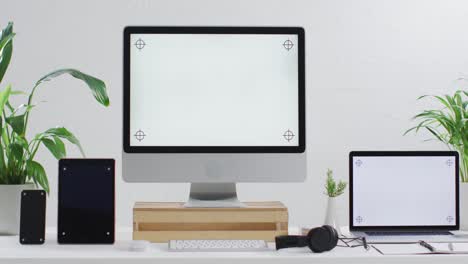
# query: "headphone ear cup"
{"points": [[318, 239], [333, 236], [322, 238]]}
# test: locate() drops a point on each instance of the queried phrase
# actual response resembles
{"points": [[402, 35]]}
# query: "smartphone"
{"points": [[32, 218], [86, 210]]}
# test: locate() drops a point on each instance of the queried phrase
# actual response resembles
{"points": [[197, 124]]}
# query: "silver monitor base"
{"points": [[215, 195]]}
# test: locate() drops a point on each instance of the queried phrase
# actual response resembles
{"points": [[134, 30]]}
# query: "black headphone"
{"points": [[318, 239]]}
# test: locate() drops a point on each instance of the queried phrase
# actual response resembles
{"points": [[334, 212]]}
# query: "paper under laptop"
{"points": [[457, 237], [417, 249], [386, 239]]}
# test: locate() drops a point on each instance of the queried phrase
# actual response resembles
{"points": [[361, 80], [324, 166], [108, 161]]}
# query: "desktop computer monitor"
{"points": [[213, 106]]}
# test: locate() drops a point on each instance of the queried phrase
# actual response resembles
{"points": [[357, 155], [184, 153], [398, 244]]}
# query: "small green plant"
{"points": [[448, 125], [334, 189], [18, 163]]}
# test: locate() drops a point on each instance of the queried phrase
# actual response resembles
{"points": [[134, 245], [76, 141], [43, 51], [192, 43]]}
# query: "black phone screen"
{"points": [[32, 221], [86, 201]]}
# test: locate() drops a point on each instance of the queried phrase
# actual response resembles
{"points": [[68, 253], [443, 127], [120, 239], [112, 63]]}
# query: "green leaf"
{"points": [[5, 34], [5, 137], [332, 188], [4, 95], [23, 142], [443, 101], [60, 146], [17, 123], [98, 87], [6, 48], [62, 132], [2, 157], [5, 41], [5, 57], [57, 149], [38, 174], [17, 150]]}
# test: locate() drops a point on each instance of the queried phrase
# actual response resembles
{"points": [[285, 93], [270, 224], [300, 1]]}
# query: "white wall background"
{"points": [[367, 62]]}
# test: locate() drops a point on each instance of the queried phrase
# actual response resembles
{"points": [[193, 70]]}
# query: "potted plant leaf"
{"points": [[19, 168], [448, 124]]}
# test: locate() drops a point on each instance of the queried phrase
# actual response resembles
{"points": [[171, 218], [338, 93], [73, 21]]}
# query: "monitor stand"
{"points": [[216, 195]]}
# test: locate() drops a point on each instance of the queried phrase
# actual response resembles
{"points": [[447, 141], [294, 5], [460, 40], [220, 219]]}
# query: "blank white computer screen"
{"points": [[214, 90], [404, 191]]}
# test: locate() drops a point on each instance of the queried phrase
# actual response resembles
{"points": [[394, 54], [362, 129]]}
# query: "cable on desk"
{"points": [[362, 242]]}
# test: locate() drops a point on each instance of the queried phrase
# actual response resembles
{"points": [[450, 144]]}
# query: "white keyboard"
{"points": [[217, 245]]}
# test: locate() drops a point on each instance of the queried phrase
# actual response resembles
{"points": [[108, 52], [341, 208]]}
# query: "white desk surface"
{"points": [[12, 252]]}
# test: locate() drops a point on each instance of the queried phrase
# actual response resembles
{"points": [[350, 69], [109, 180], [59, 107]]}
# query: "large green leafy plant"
{"points": [[18, 163], [448, 125]]}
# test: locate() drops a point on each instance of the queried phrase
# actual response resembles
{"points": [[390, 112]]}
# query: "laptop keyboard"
{"points": [[431, 233]]}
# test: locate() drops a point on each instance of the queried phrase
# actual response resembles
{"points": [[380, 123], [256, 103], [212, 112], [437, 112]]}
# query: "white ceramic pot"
{"points": [[10, 204], [464, 206], [331, 218]]}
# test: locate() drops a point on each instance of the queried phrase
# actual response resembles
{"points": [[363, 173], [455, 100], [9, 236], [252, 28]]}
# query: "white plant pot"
{"points": [[464, 206], [10, 204], [331, 218]]}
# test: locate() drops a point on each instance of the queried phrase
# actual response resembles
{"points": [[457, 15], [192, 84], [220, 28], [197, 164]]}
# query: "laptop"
{"points": [[404, 196]]}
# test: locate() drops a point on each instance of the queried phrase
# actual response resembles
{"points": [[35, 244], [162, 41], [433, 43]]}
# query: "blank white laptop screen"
{"points": [[214, 90], [404, 191]]}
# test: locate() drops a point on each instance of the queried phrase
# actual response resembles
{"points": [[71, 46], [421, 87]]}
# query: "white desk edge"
{"points": [[12, 252]]}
